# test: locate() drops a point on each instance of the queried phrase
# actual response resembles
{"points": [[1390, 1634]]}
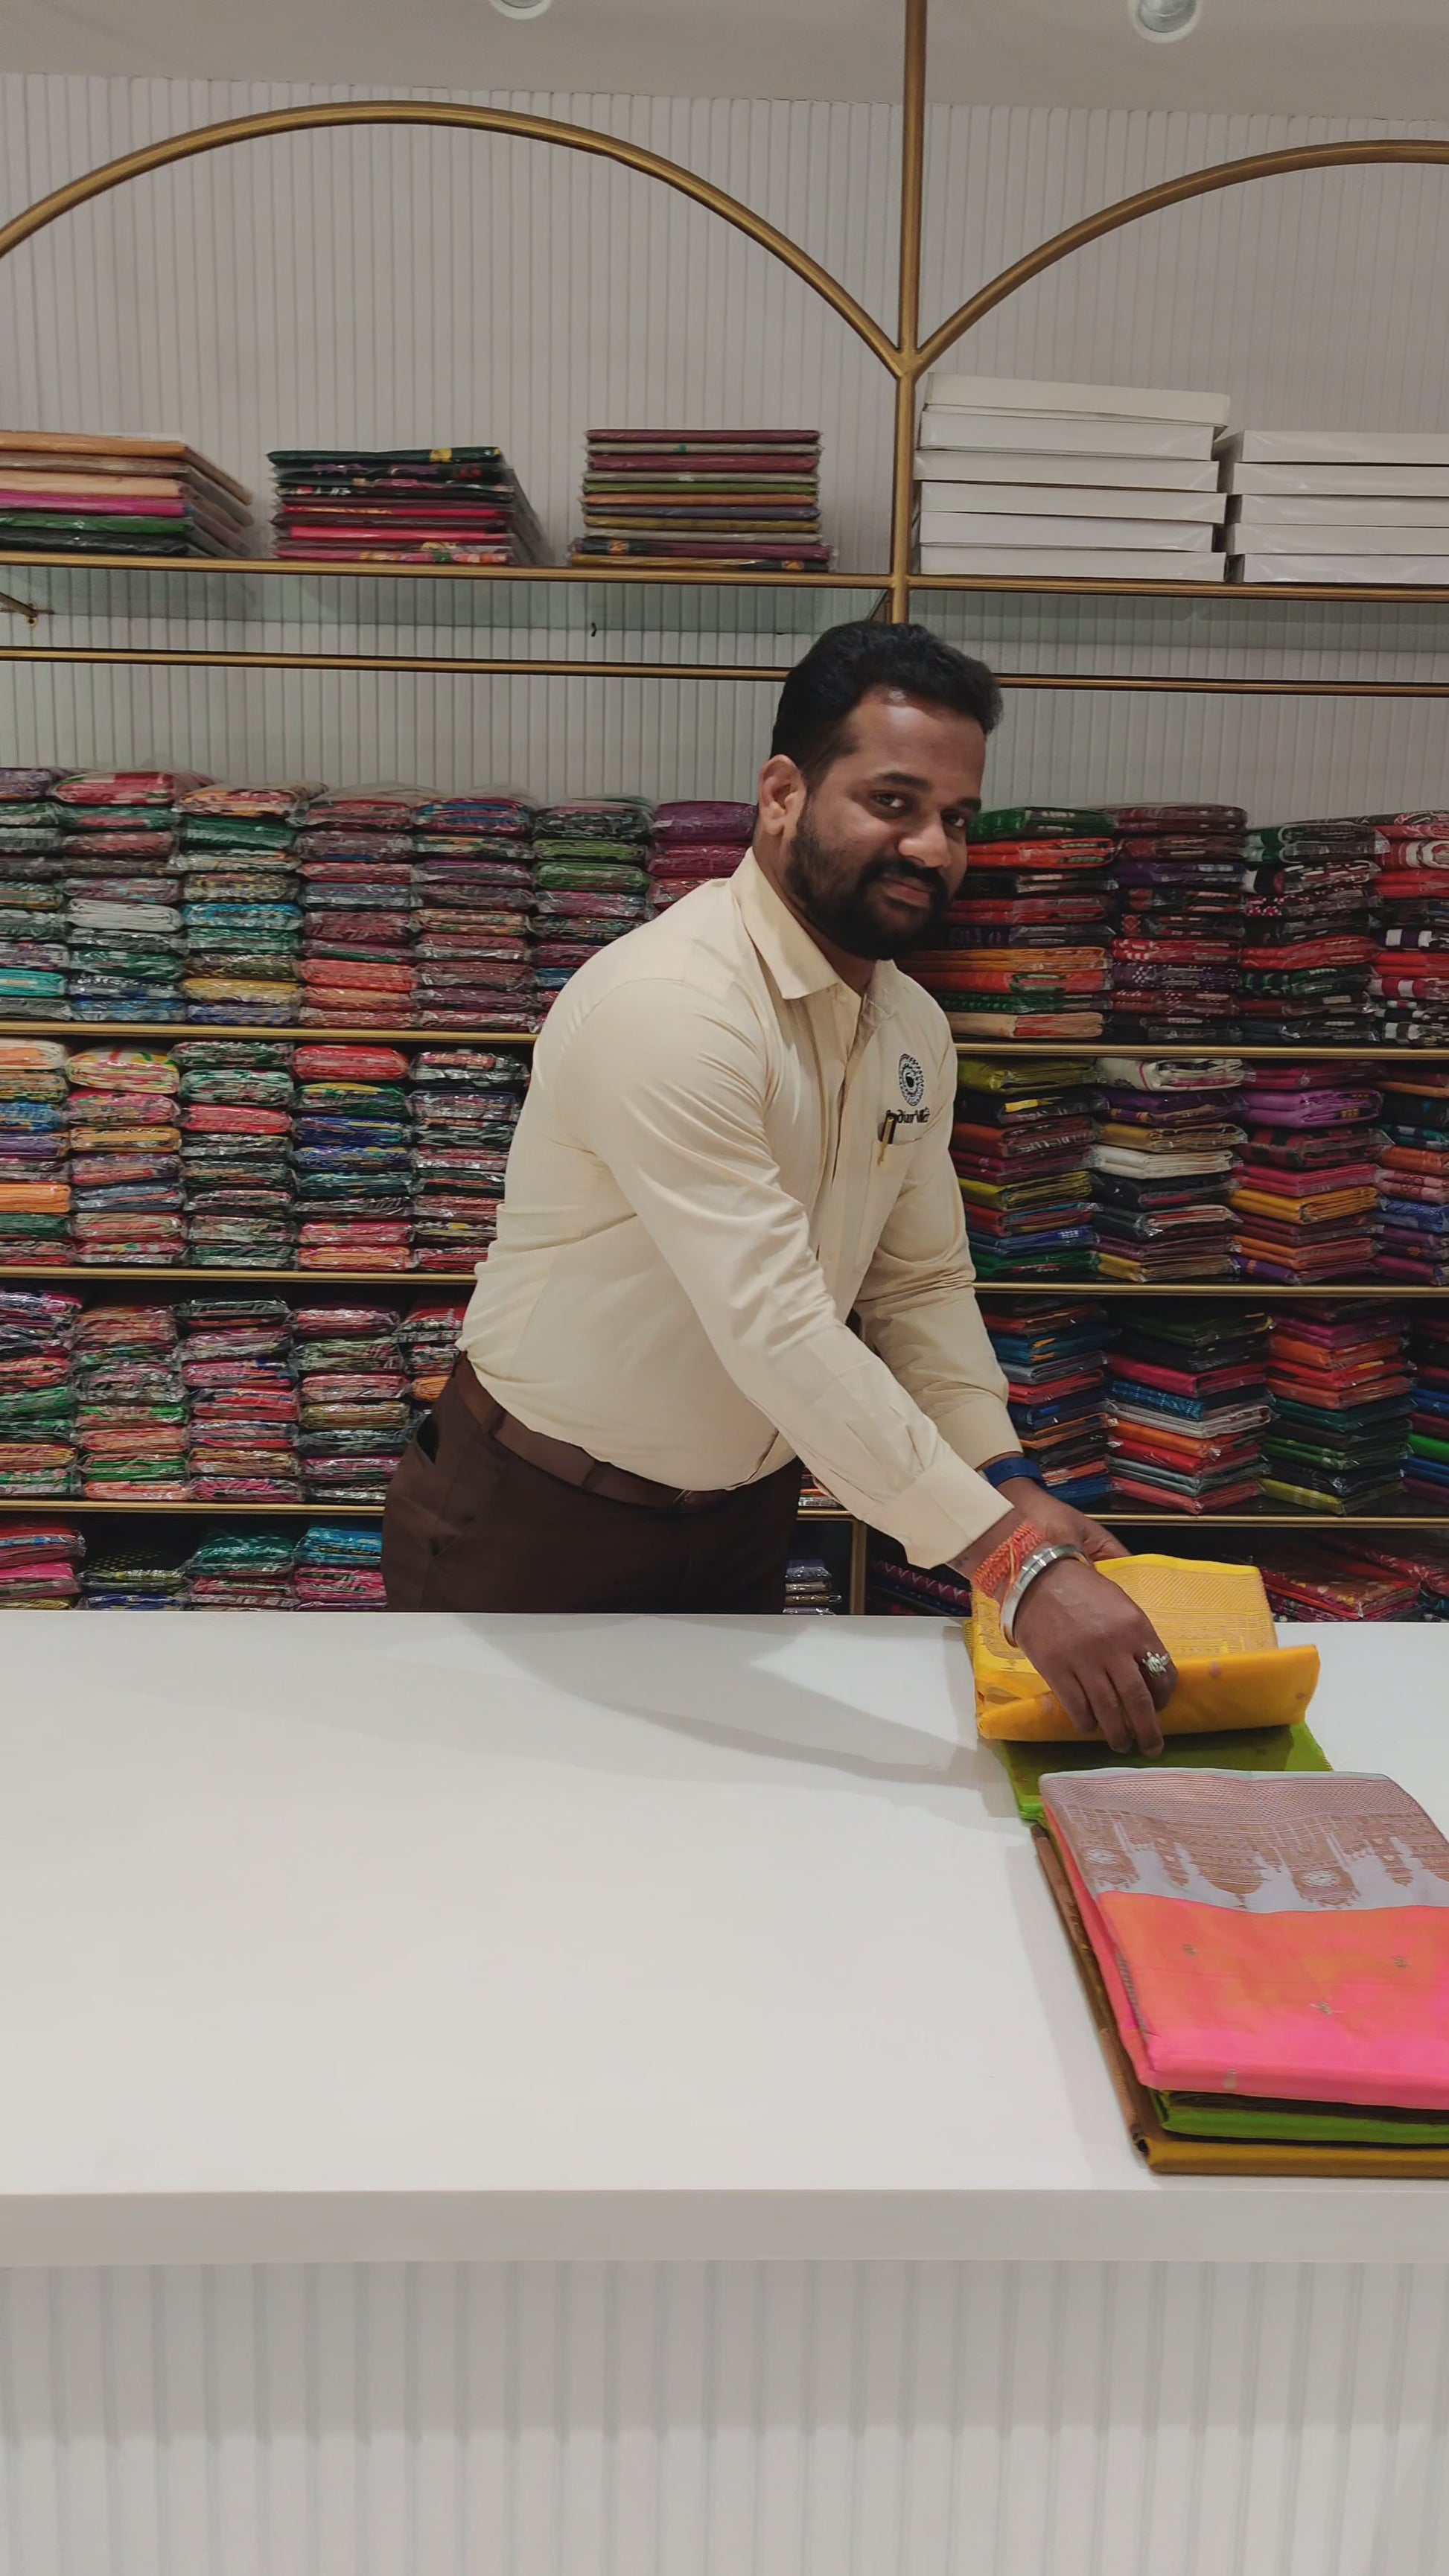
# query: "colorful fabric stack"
{"points": [[1339, 1377], [354, 1172], [356, 1420], [428, 1339], [1413, 1176], [1020, 1147], [896, 1590], [34, 1153], [241, 1570], [1187, 1407], [1426, 1473], [1409, 989], [240, 908], [124, 927], [339, 1567], [472, 894], [40, 1565], [809, 1591], [720, 499], [37, 1408], [69, 492], [1306, 1194], [402, 505], [1416, 1558], [695, 841], [34, 954], [1162, 1167], [356, 858], [1175, 959], [131, 1406], [1056, 1383], [237, 1365], [1304, 1583], [136, 1574], [1025, 949], [236, 1152], [591, 881], [1308, 946], [125, 1147], [465, 1106]]}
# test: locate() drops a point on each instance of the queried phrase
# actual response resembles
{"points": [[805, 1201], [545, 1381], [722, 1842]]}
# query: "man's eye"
{"points": [[892, 803]]}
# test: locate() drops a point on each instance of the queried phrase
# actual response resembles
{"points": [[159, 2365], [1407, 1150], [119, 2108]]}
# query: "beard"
{"points": [[841, 906]]}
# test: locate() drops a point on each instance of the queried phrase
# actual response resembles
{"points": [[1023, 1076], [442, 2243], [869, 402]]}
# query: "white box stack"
{"points": [[1331, 505], [1052, 482]]}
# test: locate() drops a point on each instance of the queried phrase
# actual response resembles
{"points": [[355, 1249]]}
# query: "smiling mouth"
{"points": [[907, 889]]}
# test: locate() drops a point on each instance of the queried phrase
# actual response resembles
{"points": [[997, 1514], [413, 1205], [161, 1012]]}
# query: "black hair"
{"points": [[847, 662]]}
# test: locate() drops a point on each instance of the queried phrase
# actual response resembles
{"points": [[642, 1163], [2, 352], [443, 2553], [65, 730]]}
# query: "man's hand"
{"points": [[1084, 1636], [1061, 1521]]}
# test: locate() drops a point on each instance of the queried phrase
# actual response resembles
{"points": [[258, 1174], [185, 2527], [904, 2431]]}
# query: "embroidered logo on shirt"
{"points": [[913, 1082]]}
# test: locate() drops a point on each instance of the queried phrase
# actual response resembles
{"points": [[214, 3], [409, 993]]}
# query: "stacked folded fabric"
{"points": [[37, 1409], [1308, 947], [718, 499], [1339, 1377], [354, 1174], [472, 893], [1337, 505], [356, 1419], [1025, 949], [1409, 988], [241, 1570], [236, 1152], [1303, 1584], [1052, 1355], [68, 492], [1414, 1557], [1187, 1406], [131, 1405], [1426, 1473], [428, 1338], [894, 1589], [1162, 1167], [464, 1105], [240, 909], [137, 1574], [458, 505], [1175, 959], [125, 1163], [339, 1567], [1413, 1176], [1245, 1938], [1047, 481], [1020, 1146], [591, 881], [809, 1591], [695, 841], [236, 1361], [356, 858], [39, 1565], [34, 1153], [33, 950], [124, 927], [1306, 1195]]}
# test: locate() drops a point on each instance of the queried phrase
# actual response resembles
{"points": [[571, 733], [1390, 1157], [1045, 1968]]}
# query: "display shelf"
{"points": [[1086, 1050], [116, 1274], [1253, 1290], [14, 1505], [16, 1273], [1404, 1515]]}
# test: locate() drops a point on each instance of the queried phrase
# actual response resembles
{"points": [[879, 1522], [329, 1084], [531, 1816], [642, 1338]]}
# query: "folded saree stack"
{"points": [[241, 1570], [34, 953], [1052, 1356], [40, 1565], [1340, 1382], [1409, 988], [125, 924], [339, 1567], [241, 902], [1024, 950], [125, 1141], [1308, 947], [464, 1105], [236, 1152], [1413, 1175], [1162, 1163], [1175, 958], [132, 1413], [1306, 1194], [356, 861], [354, 1171], [35, 1191], [67, 492], [37, 1406], [236, 1360], [472, 897], [1187, 1407], [591, 881], [428, 1339], [695, 840], [1426, 1472], [1268, 1958], [355, 1415], [1019, 1146], [705, 499], [418, 505]]}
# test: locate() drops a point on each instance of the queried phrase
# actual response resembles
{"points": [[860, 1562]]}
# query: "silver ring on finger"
{"points": [[1155, 1666]]}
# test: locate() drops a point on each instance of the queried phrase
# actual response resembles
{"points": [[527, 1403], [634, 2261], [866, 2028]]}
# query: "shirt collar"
{"points": [[797, 967]]}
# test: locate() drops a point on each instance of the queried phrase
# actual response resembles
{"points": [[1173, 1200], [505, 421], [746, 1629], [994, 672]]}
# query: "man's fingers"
{"points": [[1160, 1684], [1076, 1703], [1135, 1693], [1107, 1709]]}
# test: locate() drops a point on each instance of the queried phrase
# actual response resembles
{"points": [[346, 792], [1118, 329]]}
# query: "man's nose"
{"points": [[926, 844]]}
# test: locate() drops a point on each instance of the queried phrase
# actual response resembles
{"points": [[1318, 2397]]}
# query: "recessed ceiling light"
{"points": [[522, 8], [1161, 21]]}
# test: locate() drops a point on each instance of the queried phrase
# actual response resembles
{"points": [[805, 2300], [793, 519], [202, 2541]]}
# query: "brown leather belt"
{"points": [[574, 1466]]}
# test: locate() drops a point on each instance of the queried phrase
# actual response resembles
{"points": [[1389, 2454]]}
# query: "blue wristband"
{"points": [[1010, 1471]]}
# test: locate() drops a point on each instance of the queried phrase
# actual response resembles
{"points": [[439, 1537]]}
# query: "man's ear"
{"points": [[782, 793]]}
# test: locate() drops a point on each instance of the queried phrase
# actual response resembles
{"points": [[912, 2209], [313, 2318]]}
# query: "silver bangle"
{"points": [[1049, 1554]]}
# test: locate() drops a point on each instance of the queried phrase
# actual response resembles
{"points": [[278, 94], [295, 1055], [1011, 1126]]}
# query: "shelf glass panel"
{"points": [[1218, 633]]}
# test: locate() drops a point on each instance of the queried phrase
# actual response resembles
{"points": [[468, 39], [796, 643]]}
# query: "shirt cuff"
{"points": [[947, 1509]]}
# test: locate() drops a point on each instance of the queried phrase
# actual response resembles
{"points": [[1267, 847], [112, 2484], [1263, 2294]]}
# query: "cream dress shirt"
{"points": [[724, 1152]]}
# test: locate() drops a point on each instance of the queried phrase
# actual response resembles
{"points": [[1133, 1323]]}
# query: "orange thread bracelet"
{"points": [[996, 1573]]}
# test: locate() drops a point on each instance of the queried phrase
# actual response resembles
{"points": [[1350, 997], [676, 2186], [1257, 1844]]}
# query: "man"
{"points": [[737, 1137]]}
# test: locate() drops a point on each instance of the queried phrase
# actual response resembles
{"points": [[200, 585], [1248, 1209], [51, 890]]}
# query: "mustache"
{"points": [[927, 878]]}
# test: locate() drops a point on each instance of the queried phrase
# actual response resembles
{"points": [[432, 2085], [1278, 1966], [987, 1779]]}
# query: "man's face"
{"points": [[872, 855]]}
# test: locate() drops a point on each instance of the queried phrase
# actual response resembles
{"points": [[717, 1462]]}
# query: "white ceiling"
{"points": [[1356, 58]]}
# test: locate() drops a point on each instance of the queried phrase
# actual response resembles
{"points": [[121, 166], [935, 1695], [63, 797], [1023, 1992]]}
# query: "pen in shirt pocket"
{"points": [[886, 1131]]}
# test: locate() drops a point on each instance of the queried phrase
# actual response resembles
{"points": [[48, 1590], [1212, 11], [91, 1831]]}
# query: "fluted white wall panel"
{"points": [[738, 2420]]}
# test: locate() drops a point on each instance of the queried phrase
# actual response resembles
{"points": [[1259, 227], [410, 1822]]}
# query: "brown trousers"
{"points": [[469, 1526]]}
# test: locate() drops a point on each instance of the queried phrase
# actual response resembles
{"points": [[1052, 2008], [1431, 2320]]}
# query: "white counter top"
{"points": [[329, 1937]]}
